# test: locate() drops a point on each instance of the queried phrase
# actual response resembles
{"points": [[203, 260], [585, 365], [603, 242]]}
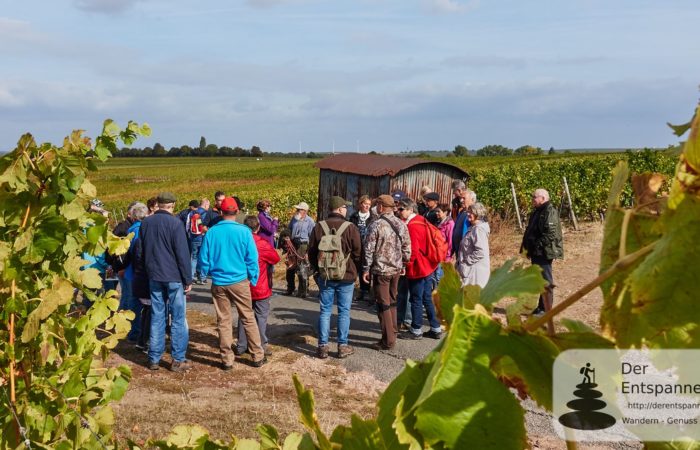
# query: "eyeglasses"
{"points": [[400, 209]]}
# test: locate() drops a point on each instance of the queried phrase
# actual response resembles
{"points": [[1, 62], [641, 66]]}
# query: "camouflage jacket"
{"points": [[386, 252]]}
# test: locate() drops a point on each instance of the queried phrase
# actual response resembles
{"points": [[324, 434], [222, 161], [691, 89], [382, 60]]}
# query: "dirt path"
{"points": [[233, 403]]}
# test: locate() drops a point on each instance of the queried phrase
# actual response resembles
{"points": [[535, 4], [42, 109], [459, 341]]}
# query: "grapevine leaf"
{"points": [[309, 418], [72, 210], [680, 130], [468, 407], [620, 174], [95, 233], [293, 441], [269, 437], [691, 149], [363, 434], [105, 419], [450, 293], [88, 189], [61, 293], [118, 245], [187, 436], [518, 282], [664, 308], [581, 339], [5, 251]]}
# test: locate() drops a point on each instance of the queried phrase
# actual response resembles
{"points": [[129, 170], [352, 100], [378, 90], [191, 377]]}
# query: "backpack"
{"points": [[437, 245], [194, 224], [332, 262]]}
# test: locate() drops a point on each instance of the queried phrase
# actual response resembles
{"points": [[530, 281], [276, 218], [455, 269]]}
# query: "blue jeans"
{"points": [[403, 312], [341, 291], [195, 245], [421, 290], [174, 295]]}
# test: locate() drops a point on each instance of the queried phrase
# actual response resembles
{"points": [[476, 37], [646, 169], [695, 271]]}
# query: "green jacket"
{"points": [[542, 237]]}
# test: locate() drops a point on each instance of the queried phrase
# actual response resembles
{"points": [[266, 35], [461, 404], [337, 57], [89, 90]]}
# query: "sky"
{"points": [[384, 75]]}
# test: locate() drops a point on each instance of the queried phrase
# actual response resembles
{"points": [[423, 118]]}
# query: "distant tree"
{"points": [[225, 151], [158, 149], [255, 151], [312, 155], [494, 150], [186, 150], [373, 153], [528, 150], [211, 150], [174, 151], [202, 145], [148, 151], [461, 150], [551, 151]]}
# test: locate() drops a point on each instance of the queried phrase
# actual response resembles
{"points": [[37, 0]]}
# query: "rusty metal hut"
{"points": [[351, 175]]}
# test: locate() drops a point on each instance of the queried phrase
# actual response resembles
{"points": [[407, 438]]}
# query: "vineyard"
{"points": [[286, 182]]}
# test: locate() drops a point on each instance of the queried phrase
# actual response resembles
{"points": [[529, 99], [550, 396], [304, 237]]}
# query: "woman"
{"points": [[362, 218], [268, 228], [446, 226], [473, 262], [136, 272]]}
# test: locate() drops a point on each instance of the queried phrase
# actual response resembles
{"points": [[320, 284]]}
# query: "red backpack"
{"points": [[437, 246], [195, 224]]}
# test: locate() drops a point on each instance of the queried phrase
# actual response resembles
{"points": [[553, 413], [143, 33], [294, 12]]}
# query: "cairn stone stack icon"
{"points": [[586, 414]]}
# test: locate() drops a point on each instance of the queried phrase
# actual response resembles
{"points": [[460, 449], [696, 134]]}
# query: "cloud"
{"points": [[453, 6], [105, 6]]}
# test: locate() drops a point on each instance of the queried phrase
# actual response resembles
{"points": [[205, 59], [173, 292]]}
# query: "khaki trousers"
{"points": [[385, 293], [224, 297]]}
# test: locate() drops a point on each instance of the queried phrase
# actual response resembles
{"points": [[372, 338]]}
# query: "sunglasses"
{"points": [[400, 209]]}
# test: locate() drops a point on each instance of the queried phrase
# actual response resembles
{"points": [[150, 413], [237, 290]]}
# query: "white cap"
{"points": [[302, 205]]}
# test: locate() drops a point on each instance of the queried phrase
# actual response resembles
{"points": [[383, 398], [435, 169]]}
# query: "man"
{"points": [[166, 258], [300, 229], [398, 196], [229, 255], [458, 188], [468, 198], [431, 199], [543, 243], [195, 229], [387, 250], [214, 214], [419, 274], [330, 266], [182, 215]]}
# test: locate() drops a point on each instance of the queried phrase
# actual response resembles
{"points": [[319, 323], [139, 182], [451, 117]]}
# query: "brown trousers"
{"points": [[385, 291], [239, 295]]}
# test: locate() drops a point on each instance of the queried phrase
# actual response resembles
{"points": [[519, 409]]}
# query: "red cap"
{"points": [[229, 205]]}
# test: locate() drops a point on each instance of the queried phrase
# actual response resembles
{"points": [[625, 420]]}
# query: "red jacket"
{"points": [[419, 266], [266, 256]]}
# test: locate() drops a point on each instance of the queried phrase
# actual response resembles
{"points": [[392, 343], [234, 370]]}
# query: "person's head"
{"points": [[457, 187], [338, 205], [539, 197], [398, 195], [364, 204], [205, 203], [302, 209], [229, 208], [431, 199], [476, 213], [152, 204], [138, 212], [263, 205], [385, 204], [219, 197], [406, 208], [194, 204], [166, 201], [425, 190], [442, 210], [253, 223], [128, 210], [469, 197]]}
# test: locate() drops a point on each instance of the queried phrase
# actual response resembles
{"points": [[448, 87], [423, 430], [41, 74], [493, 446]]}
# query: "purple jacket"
{"points": [[268, 227]]}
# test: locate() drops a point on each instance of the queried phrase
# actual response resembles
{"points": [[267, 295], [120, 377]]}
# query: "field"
{"points": [[286, 182]]}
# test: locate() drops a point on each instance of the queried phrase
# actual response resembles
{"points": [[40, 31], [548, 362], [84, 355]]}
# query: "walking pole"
{"points": [[517, 209], [571, 204]]}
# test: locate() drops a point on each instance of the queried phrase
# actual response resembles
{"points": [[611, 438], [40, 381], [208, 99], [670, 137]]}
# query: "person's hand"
{"points": [[365, 277], [188, 288], [403, 271]]}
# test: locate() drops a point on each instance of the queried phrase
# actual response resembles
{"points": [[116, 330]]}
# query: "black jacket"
{"points": [[543, 239], [166, 254]]}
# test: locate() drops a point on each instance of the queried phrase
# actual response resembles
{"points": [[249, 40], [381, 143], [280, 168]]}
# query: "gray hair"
{"points": [[471, 194], [138, 211], [543, 193], [458, 184], [479, 210], [407, 203]]}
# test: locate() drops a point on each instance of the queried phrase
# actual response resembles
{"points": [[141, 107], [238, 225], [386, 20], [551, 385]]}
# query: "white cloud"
{"points": [[453, 6]]}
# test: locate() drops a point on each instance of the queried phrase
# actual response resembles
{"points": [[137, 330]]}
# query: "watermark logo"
{"points": [[587, 406]]}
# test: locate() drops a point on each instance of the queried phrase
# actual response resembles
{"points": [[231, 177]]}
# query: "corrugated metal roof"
{"points": [[373, 165]]}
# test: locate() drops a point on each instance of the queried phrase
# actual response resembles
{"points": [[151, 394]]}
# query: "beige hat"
{"points": [[385, 200], [302, 205]]}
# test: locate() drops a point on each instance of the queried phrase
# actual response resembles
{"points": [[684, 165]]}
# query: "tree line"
{"points": [[500, 150]]}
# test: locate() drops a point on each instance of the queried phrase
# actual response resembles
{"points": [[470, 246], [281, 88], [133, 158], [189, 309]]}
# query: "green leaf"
{"points": [[680, 130], [118, 245], [269, 437], [187, 436], [510, 281], [308, 414], [73, 210], [621, 174], [61, 293], [578, 340], [293, 441], [691, 149], [95, 233], [363, 434], [450, 293]]}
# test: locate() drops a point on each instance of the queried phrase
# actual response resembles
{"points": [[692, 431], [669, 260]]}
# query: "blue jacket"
{"points": [[229, 255], [166, 253], [129, 271], [460, 230]]}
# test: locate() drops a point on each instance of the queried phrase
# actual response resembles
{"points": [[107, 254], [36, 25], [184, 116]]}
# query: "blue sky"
{"points": [[391, 74]]}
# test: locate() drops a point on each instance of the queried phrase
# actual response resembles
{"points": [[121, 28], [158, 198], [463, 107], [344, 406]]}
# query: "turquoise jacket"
{"points": [[228, 254]]}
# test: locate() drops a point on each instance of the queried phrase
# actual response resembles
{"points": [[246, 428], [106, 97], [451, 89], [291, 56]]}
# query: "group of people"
{"points": [[392, 246]]}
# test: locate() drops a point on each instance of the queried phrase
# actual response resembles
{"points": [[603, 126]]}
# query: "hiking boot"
{"points": [[410, 336], [153, 366], [180, 366], [239, 352], [433, 334], [404, 327], [344, 350], [289, 292], [226, 367], [379, 346], [322, 352], [259, 363], [268, 352]]}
